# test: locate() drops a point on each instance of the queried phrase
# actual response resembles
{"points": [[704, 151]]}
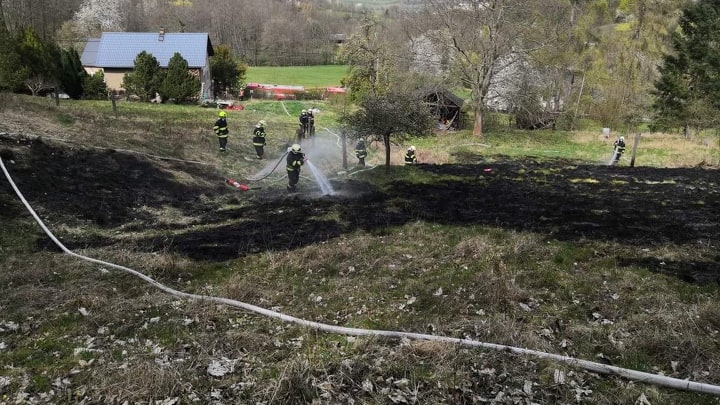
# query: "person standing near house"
{"points": [[295, 160], [361, 152], [410, 157], [221, 130], [259, 139]]}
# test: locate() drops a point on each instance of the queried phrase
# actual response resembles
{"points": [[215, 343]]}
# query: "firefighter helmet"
{"points": [[296, 148], [262, 123], [222, 114], [412, 148]]}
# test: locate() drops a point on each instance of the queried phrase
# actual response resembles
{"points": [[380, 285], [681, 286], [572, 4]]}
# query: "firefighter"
{"points": [[311, 123], [259, 138], [295, 160], [410, 158], [304, 119], [221, 130], [619, 149], [361, 152]]}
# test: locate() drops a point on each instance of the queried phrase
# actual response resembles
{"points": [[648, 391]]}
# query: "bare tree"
{"points": [[45, 16], [483, 38], [96, 16], [371, 60], [236, 23], [272, 31], [283, 39], [259, 31], [132, 13]]}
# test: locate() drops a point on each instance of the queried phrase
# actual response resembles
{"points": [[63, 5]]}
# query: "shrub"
{"points": [[94, 87], [179, 84]]}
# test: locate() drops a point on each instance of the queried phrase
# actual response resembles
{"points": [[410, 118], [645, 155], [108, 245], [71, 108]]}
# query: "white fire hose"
{"points": [[635, 375]]}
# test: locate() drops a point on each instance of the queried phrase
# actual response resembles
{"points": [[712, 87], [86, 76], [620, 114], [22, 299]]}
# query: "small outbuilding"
{"points": [[446, 107]]}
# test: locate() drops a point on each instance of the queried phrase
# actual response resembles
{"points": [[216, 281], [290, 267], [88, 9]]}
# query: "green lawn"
{"points": [[308, 76]]}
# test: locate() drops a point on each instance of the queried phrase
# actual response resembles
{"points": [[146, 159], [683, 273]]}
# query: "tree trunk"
{"points": [[477, 128], [634, 149], [344, 149], [386, 142]]}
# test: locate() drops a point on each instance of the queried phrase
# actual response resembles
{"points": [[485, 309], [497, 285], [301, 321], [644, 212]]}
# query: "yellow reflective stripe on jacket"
{"points": [[219, 130]]}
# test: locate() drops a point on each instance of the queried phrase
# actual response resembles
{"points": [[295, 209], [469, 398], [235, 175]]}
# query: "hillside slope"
{"points": [[609, 264]]}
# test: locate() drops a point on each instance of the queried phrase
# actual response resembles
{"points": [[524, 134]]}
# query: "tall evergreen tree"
{"points": [[227, 72], [94, 87], [688, 90], [71, 74], [147, 77], [40, 60], [179, 83], [12, 73]]}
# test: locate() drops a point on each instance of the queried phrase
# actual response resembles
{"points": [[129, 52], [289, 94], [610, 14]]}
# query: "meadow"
{"points": [[525, 239], [308, 76]]}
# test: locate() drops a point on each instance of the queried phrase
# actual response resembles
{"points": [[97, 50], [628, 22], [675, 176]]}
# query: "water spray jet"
{"points": [[320, 178]]}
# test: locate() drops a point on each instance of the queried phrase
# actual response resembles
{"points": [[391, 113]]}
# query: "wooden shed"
{"points": [[445, 106]]}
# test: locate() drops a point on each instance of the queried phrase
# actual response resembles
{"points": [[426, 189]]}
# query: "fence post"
{"points": [[114, 104]]}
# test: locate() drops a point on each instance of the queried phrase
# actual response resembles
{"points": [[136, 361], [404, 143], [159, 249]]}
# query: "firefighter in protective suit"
{"points": [[295, 160], [410, 158], [259, 139], [221, 130], [619, 149], [304, 120], [311, 123], [361, 152]]}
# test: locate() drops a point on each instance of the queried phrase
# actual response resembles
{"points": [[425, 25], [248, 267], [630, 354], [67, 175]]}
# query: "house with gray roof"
{"points": [[114, 53]]}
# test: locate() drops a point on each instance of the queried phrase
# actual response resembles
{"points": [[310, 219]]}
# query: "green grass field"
{"points": [[308, 76]]}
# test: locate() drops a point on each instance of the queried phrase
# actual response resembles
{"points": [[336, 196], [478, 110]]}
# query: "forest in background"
{"points": [[557, 58]]}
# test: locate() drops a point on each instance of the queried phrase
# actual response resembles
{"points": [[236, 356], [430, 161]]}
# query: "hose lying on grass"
{"points": [[271, 171], [635, 375]]}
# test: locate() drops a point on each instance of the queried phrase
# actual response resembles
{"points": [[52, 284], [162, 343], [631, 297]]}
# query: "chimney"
{"points": [[161, 35]]}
